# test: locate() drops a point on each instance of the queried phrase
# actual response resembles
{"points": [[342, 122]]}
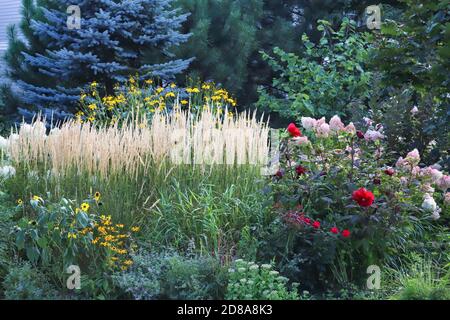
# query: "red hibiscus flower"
{"points": [[316, 224], [293, 130], [389, 171], [363, 197], [334, 230], [300, 170], [345, 233], [307, 220]]}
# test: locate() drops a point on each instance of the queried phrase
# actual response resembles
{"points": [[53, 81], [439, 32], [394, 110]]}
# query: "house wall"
{"points": [[9, 14]]}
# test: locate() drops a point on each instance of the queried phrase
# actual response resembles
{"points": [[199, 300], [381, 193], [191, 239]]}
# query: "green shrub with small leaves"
{"points": [[328, 78], [25, 282], [171, 275], [250, 281]]}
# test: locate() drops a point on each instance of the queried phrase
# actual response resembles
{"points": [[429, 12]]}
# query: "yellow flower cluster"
{"points": [[154, 96], [111, 237]]}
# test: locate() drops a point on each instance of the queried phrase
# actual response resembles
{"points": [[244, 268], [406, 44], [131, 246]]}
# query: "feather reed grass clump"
{"points": [[176, 138], [185, 179]]}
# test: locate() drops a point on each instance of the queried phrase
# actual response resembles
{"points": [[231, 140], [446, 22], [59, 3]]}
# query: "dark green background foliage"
{"points": [[328, 78], [413, 60]]}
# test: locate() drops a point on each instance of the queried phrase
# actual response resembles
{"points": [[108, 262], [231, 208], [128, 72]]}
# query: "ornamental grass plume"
{"points": [[176, 138]]}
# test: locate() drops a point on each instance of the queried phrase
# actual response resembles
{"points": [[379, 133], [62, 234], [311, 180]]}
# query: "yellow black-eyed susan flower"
{"points": [[37, 198], [85, 206], [97, 196]]}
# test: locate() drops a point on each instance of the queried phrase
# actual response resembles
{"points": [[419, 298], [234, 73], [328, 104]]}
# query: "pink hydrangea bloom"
{"points": [[444, 183], [350, 128], [308, 123], [323, 130], [432, 173], [413, 157], [372, 135], [336, 124]]}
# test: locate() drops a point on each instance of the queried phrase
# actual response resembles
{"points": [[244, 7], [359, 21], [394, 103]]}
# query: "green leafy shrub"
{"points": [[329, 78], [25, 282], [170, 275], [342, 207], [248, 281], [412, 57]]}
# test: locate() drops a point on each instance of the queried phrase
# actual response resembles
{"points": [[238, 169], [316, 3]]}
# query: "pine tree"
{"points": [[116, 39], [227, 38]]}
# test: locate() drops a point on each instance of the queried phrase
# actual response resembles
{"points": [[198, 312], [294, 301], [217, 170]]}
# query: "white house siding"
{"points": [[9, 14]]}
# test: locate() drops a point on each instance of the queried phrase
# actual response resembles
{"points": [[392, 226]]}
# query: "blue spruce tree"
{"points": [[116, 39]]}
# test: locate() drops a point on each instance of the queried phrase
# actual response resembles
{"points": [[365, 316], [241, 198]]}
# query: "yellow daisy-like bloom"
{"points": [[92, 106], [37, 198], [97, 196], [195, 90], [149, 81], [91, 119], [120, 98], [83, 96], [135, 229], [206, 87], [173, 85], [85, 206], [159, 90], [71, 235], [184, 102], [77, 210], [128, 262], [19, 202], [170, 94], [94, 84]]}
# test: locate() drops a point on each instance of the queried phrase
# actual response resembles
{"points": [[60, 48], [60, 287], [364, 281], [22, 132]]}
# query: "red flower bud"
{"points": [[316, 224], [293, 130], [334, 230], [360, 134], [389, 171]]}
